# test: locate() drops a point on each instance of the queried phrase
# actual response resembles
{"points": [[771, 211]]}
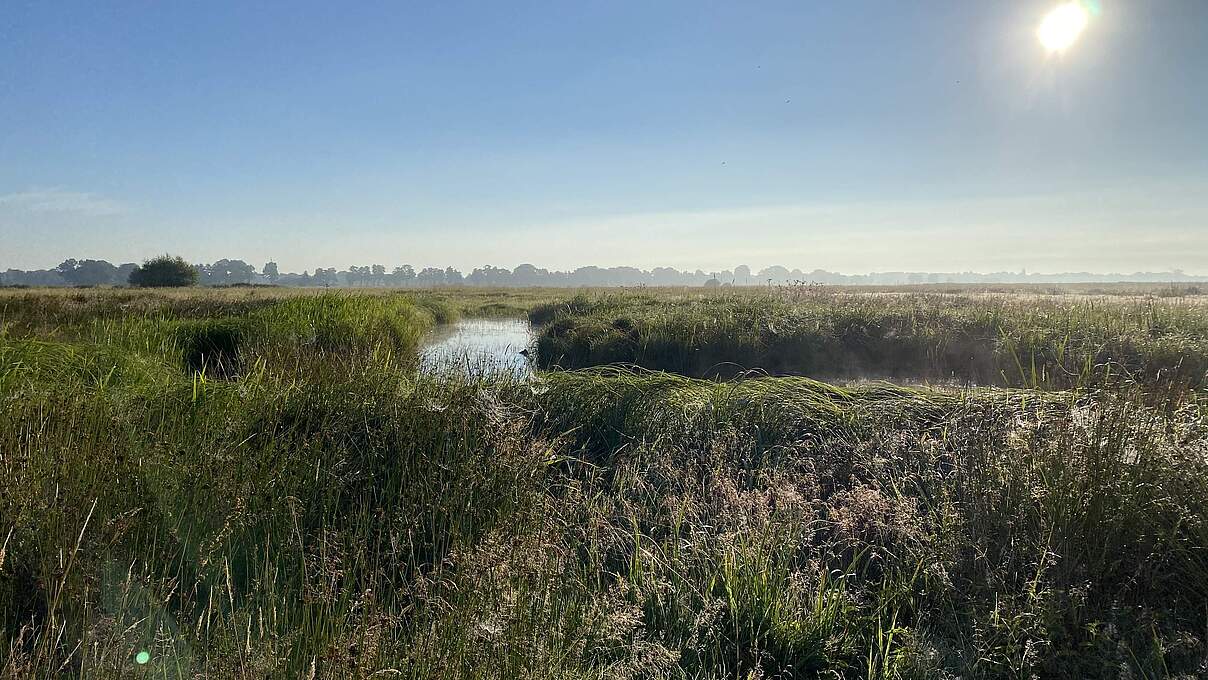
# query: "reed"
{"points": [[983, 339]]}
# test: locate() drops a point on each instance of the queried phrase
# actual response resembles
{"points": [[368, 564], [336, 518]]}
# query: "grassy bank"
{"points": [[324, 511], [1003, 340], [69, 312], [218, 334]]}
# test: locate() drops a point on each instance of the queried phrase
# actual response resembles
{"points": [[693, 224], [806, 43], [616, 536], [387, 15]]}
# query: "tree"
{"points": [[357, 275], [87, 272], [742, 275], [774, 274], [326, 277], [528, 275], [270, 272], [491, 276], [163, 272], [430, 276], [66, 267], [404, 275], [122, 277], [227, 272]]}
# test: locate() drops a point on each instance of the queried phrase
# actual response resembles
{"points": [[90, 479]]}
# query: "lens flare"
{"points": [[1062, 26]]}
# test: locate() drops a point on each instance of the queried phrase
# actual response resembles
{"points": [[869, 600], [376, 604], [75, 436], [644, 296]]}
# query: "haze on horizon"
{"points": [[852, 137]]}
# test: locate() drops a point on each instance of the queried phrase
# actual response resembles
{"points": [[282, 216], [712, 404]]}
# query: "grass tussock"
{"points": [[985, 340], [219, 335]]}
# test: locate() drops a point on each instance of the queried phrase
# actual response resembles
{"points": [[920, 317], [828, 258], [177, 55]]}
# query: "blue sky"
{"points": [[851, 136]]}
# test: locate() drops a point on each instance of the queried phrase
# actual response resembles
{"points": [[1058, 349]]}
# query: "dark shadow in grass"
{"points": [[212, 346]]}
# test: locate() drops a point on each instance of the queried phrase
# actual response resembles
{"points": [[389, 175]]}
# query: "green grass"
{"points": [[222, 335], [986, 340], [299, 502]]}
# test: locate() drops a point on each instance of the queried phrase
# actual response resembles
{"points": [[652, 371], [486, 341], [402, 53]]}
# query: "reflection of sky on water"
{"points": [[479, 346]]}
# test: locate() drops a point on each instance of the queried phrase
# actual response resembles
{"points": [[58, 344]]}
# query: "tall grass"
{"points": [[323, 510], [987, 340], [780, 526], [222, 337]]}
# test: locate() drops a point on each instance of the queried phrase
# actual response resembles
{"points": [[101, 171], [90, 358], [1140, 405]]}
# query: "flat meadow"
{"points": [[731, 483]]}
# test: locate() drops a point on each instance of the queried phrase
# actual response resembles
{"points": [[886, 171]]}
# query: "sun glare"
{"points": [[1062, 26]]}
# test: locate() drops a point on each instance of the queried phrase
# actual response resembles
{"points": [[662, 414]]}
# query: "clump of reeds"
{"points": [[998, 340]]}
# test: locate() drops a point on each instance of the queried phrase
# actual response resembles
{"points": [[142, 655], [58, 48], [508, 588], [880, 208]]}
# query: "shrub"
{"points": [[164, 271]]}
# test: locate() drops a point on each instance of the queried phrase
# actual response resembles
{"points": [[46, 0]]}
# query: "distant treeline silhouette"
{"points": [[236, 272]]}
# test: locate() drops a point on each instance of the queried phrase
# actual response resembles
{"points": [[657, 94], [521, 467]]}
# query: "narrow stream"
{"points": [[479, 347]]}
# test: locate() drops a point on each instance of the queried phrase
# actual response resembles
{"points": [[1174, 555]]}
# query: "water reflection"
{"points": [[479, 347]]}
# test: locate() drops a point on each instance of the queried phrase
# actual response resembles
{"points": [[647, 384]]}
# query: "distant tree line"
{"points": [[237, 272]]}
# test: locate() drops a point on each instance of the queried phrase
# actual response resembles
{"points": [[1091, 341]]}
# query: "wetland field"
{"points": [[644, 483]]}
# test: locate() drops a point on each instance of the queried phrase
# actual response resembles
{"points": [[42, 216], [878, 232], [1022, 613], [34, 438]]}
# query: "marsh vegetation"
{"points": [[265, 484], [1006, 340]]}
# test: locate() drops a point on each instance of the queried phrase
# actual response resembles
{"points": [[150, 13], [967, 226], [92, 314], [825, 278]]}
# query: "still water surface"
{"points": [[479, 347]]}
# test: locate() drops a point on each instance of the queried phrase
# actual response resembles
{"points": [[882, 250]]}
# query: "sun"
{"points": [[1062, 26]]}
